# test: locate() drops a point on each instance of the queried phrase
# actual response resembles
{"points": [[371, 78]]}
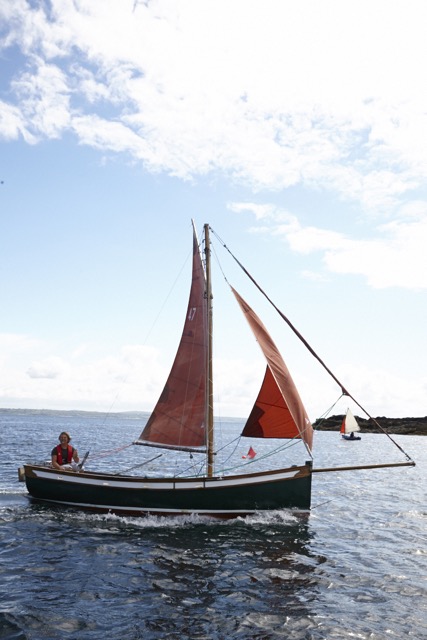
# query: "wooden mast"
{"points": [[209, 403]]}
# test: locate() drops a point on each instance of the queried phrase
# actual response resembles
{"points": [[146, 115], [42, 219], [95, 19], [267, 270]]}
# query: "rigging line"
{"points": [[196, 473], [109, 452], [283, 447], [301, 431], [323, 416], [150, 330], [237, 443], [260, 457], [167, 297], [263, 456], [308, 346], [228, 444], [137, 466]]}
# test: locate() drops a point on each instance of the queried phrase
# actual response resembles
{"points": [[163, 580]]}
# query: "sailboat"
{"points": [[183, 420], [349, 427]]}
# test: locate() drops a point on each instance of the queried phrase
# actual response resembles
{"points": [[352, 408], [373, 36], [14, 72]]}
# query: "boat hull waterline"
{"points": [[221, 497]]}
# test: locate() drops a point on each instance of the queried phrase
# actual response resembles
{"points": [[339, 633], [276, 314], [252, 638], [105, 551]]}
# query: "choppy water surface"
{"points": [[355, 567]]}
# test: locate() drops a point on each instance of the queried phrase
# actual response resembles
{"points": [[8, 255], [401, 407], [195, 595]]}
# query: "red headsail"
{"points": [[278, 411]]}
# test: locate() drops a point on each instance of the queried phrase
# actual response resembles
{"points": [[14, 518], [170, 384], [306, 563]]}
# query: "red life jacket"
{"points": [[59, 454]]}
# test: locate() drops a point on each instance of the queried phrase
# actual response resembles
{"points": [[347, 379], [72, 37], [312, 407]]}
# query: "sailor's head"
{"points": [[64, 437]]}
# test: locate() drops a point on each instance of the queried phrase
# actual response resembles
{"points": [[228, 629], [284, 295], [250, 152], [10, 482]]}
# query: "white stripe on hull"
{"points": [[176, 484]]}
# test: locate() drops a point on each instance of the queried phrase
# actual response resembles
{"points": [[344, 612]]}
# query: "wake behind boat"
{"points": [[183, 420]]}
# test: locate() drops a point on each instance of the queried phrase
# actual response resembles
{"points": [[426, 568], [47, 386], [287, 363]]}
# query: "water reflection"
{"points": [[72, 576], [229, 578], [158, 577]]}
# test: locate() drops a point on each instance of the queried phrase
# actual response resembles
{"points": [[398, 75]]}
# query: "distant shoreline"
{"points": [[396, 426], [402, 426], [74, 412]]}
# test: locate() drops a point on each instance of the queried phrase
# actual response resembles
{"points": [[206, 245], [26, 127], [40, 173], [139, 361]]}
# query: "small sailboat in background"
{"points": [[349, 427]]}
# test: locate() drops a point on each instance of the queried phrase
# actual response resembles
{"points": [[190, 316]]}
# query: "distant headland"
{"points": [[402, 426]]}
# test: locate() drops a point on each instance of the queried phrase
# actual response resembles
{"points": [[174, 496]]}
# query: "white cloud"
{"points": [[16, 343], [314, 276], [11, 122], [33, 376], [109, 136], [44, 100], [50, 368], [309, 239], [385, 393], [320, 94], [132, 379], [260, 211], [396, 257]]}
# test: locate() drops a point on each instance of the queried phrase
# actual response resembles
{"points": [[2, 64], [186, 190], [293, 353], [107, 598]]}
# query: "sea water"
{"points": [[355, 567]]}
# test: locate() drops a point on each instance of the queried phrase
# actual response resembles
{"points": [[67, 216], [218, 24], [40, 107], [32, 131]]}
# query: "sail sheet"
{"points": [[278, 411], [349, 423], [178, 419]]}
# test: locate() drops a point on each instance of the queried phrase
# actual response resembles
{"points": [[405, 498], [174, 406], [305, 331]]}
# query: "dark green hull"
{"points": [[223, 497]]}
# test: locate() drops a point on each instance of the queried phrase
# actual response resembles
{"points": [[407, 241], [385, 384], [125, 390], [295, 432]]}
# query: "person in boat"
{"points": [[352, 435], [64, 456]]}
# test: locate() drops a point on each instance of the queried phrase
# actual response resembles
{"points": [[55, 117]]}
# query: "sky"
{"points": [[297, 130]]}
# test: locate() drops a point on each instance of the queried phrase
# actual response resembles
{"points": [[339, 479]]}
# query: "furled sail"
{"points": [[349, 423], [278, 411], [178, 419]]}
